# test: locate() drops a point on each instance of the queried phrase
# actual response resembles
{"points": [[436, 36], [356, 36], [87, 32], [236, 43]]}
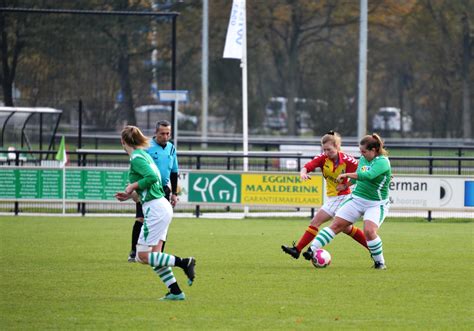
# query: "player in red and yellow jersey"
{"points": [[332, 163]]}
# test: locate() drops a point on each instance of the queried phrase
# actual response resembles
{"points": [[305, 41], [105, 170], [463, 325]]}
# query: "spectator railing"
{"points": [[229, 161], [233, 160]]}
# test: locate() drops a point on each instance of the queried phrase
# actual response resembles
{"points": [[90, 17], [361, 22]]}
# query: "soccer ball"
{"points": [[321, 258]]}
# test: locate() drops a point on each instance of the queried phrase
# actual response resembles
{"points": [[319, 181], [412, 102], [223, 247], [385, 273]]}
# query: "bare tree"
{"points": [[294, 30], [468, 47], [12, 43]]}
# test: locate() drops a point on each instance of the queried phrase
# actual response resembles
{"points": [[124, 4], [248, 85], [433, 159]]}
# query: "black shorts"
{"points": [[139, 209]]}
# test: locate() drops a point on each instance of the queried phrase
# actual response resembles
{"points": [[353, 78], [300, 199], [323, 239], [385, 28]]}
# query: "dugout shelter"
{"points": [[28, 128]]}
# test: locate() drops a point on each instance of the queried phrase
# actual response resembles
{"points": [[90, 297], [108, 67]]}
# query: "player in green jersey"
{"points": [[145, 186], [163, 152], [369, 200]]}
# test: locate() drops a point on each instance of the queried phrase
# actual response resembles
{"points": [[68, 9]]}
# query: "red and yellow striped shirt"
{"points": [[331, 170]]}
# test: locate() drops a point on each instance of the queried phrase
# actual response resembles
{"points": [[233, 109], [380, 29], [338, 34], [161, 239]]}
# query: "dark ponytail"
{"points": [[374, 142]]}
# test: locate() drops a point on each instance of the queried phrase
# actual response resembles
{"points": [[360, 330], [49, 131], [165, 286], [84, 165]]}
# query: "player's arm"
{"points": [[344, 186], [304, 174], [174, 183], [174, 180], [351, 167], [351, 175], [149, 176], [174, 174], [174, 188], [316, 162], [135, 197], [123, 196]]}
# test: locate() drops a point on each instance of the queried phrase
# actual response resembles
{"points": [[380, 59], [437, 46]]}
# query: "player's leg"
{"points": [[147, 255], [326, 235], [167, 191], [373, 219], [159, 259], [162, 263], [356, 234], [345, 216], [158, 215], [137, 227], [324, 214], [309, 234], [374, 243]]}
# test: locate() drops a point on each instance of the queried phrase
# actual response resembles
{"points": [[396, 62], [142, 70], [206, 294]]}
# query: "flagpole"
{"points": [[64, 190], [62, 158], [362, 104], [236, 48], [245, 98]]}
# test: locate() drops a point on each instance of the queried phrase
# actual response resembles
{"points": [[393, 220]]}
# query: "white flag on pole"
{"points": [[233, 48], [61, 155]]}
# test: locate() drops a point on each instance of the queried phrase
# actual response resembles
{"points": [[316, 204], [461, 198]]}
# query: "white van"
{"points": [[276, 116], [389, 119]]}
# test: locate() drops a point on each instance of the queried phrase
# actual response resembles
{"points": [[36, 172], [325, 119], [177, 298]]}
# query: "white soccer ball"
{"points": [[321, 258]]}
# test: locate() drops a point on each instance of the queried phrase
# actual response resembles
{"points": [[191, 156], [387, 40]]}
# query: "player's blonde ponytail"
{"points": [[332, 137], [133, 137]]}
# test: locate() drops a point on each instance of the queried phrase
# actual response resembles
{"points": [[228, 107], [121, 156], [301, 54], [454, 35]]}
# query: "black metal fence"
{"points": [[211, 160], [233, 160], [431, 147]]}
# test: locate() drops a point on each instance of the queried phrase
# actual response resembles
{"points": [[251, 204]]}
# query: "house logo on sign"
{"points": [[215, 188]]}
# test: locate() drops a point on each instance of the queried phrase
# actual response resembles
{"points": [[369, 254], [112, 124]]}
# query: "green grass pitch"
{"points": [[72, 273]]}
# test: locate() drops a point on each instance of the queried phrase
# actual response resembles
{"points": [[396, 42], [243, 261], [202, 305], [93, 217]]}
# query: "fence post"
{"points": [[17, 163], [430, 171], [266, 159], [198, 166], [79, 129], [83, 205]]}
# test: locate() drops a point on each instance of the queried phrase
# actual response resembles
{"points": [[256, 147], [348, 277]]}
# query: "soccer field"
{"points": [[72, 273]]}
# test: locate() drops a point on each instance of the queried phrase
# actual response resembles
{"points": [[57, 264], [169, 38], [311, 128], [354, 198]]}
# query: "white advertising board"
{"points": [[416, 192], [429, 191], [183, 185]]}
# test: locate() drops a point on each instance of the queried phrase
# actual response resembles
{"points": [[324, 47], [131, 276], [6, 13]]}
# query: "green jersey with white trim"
{"points": [[373, 178], [144, 171]]}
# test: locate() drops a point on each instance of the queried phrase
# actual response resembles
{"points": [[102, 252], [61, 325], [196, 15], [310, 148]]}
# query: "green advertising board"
{"points": [[47, 184], [31, 183], [199, 187], [214, 188], [94, 184]]}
